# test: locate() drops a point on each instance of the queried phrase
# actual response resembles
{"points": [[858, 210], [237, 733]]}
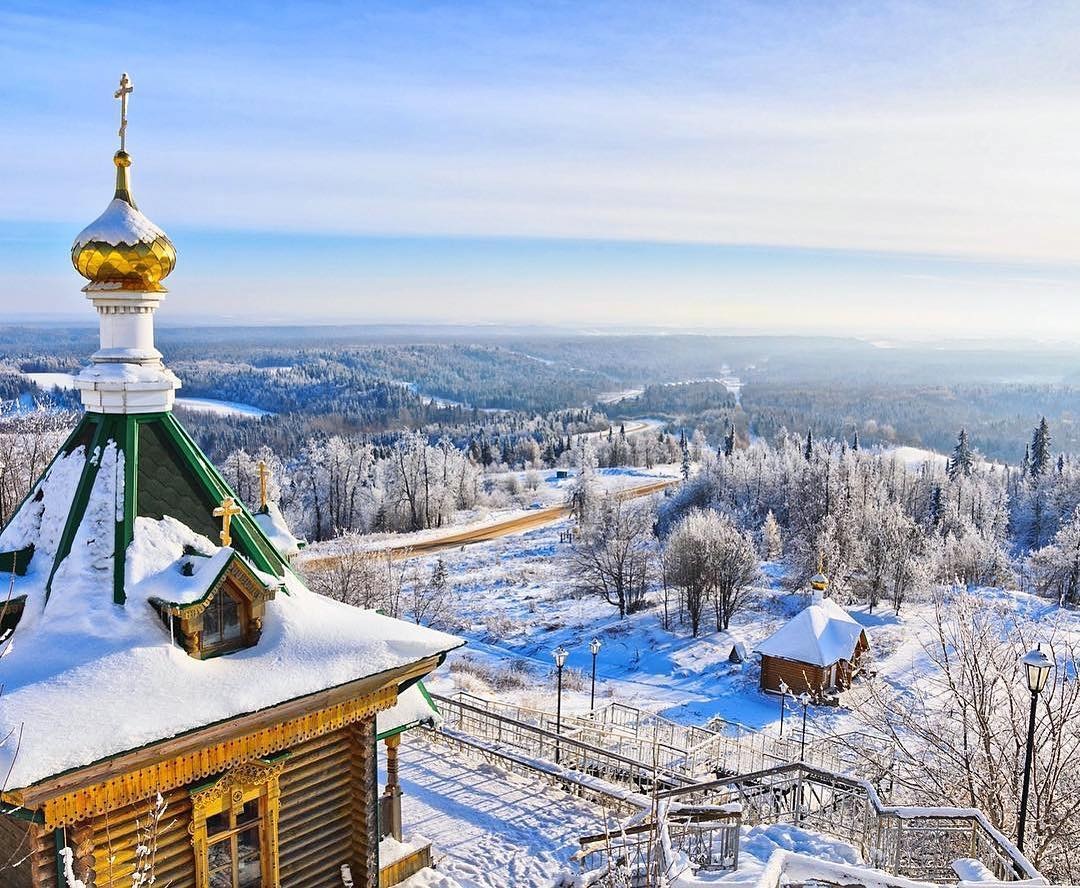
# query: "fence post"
{"points": [[899, 845]]}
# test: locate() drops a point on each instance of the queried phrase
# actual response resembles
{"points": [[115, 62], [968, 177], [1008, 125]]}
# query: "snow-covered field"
{"points": [[515, 602], [221, 408]]}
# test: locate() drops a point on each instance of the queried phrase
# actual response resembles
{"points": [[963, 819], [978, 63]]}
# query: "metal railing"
{"points": [[571, 749], [705, 840], [917, 843]]}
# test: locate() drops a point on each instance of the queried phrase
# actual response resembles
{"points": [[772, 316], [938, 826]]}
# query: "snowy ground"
{"points": [[492, 829], [517, 603], [514, 601], [221, 408]]}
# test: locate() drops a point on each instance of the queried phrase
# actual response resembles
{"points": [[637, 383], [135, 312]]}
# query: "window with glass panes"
{"points": [[222, 622], [235, 846]]}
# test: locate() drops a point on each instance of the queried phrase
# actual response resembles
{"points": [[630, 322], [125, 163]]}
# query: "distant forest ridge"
{"points": [[386, 378]]}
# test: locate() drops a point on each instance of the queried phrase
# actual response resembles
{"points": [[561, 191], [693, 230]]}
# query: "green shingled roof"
{"points": [[165, 473]]}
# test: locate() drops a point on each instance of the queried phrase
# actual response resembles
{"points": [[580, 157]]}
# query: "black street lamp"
{"points": [[804, 699], [783, 703], [594, 649], [1037, 670], [560, 660]]}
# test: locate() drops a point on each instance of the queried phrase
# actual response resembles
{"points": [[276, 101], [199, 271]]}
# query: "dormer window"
{"points": [[222, 616], [224, 624]]}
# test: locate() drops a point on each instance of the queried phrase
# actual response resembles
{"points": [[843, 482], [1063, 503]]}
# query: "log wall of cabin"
{"points": [[115, 837], [798, 677], [327, 810], [16, 852], [43, 859]]}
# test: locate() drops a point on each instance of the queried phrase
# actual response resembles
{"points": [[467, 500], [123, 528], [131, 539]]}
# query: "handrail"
{"points": [[1006, 857], [564, 741]]}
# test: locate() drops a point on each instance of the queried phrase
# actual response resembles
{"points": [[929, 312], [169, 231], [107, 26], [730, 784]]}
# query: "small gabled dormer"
{"points": [[224, 614]]}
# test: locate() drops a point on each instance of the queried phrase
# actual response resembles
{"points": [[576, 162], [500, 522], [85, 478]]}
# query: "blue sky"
{"points": [[870, 168]]}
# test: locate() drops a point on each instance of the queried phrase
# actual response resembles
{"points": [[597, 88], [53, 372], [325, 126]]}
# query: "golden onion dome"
{"points": [[122, 249]]}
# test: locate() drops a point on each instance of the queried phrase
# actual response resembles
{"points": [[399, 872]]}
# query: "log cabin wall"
{"points": [[798, 677], [43, 859], [115, 836], [16, 848], [327, 810]]}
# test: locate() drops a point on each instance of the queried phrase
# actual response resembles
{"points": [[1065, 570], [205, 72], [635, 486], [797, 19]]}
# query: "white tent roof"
{"points": [[821, 634]]}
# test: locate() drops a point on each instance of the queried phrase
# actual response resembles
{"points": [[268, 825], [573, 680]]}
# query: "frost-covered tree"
{"points": [[612, 554], [429, 601], [1056, 566], [961, 728], [712, 561], [771, 538], [584, 493]]}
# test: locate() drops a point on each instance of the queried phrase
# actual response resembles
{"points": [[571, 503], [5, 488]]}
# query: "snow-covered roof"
{"points": [[413, 707], [84, 678], [277, 530], [821, 634], [120, 223]]}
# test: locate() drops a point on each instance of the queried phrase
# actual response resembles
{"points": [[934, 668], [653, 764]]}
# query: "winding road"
{"points": [[456, 539]]}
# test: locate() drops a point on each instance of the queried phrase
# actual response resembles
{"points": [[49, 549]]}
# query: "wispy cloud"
{"points": [[906, 128]]}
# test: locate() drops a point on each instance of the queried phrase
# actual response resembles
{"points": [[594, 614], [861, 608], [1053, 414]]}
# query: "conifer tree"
{"points": [[962, 460], [685, 459], [729, 441], [1040, 449], [855, 442], [808, 451]]}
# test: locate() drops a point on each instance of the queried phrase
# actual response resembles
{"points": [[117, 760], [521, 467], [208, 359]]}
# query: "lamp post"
{"points": [[560, 660], [1037, 670], [783, 703], [594, 649], [804, 699]]}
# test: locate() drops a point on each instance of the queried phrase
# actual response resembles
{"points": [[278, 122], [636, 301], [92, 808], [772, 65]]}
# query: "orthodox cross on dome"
{"points": [[126, 88], [226, 512], [264, 476]]}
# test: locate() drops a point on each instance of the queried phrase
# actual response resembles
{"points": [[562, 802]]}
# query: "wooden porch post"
{"points": [[393, 787]]}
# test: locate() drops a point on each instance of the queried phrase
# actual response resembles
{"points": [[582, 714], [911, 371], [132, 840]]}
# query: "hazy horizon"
{"points": [[881, 170]]}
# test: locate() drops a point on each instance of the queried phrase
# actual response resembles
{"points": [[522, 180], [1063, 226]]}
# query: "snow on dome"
{"points": [[121, 223], [277, 530], [821, 634], [84, 679]]}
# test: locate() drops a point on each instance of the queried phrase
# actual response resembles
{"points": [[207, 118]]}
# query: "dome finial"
{"points": [[126, 88]]}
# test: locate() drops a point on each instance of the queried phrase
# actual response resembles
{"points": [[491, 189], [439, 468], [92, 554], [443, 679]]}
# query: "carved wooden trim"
{"points": [[237, 786]]}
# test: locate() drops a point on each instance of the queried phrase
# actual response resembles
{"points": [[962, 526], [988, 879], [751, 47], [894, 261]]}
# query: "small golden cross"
{"points": [[226, 512], [126, 88], [264, 475]]}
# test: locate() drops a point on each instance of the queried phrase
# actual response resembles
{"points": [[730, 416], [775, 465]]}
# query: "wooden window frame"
{"points": [[246, 782]]}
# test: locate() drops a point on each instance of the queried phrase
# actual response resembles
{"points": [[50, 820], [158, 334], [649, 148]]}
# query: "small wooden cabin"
{"points": [[818, 651]]}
